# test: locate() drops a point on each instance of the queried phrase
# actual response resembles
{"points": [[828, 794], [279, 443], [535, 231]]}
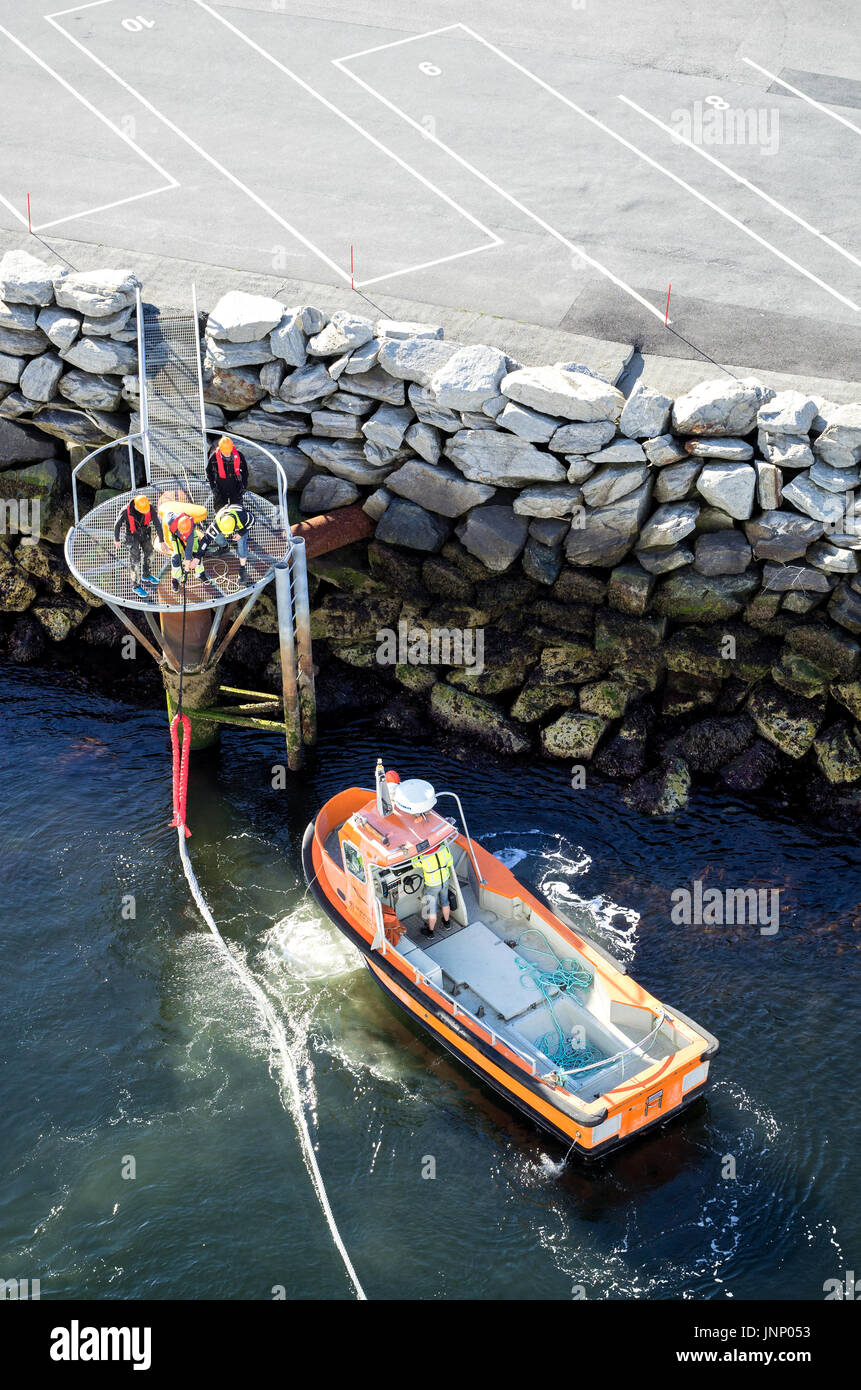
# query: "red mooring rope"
{"points": [[180, 754]]}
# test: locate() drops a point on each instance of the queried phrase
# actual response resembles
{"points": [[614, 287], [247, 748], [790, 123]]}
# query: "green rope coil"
{"points": [[567, 976]]}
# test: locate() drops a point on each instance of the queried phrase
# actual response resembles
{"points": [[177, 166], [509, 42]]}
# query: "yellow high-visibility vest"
{"points": [[435, 867]]}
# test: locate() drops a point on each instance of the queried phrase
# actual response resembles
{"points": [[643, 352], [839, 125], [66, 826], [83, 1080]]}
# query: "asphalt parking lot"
{"points": [[559, 163]]}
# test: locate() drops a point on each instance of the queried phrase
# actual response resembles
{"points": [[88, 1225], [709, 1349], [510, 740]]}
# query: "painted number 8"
{"points": [[430, 69], [718, 103]]}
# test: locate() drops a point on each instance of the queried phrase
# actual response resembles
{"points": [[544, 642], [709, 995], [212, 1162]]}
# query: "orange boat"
{"points": [[542, 1013]]}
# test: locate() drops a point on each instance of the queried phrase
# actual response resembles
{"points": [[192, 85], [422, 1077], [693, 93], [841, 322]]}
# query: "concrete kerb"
{"points": [[166, 280]]}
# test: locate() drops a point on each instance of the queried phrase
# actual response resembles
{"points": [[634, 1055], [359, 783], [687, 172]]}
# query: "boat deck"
{"points": [[476, 962]]}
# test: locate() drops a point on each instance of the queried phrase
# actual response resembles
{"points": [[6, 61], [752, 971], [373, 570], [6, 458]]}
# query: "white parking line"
{"points": [[715, 207], [163, 188], [826, 110], [493, 239], [739, 178], [340, 271], [503, 193], [620, 139], [396, 43]]}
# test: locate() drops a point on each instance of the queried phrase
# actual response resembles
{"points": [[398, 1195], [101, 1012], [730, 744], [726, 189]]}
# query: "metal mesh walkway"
{"points": [[172, 397]]}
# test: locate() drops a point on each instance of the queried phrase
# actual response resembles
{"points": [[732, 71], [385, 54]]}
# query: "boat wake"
{"points": [[554, 868], [280, 1056], [701, 1230], [311, 946]]}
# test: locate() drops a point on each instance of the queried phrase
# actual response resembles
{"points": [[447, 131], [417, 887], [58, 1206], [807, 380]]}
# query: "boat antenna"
{"points": [[384, 800]]}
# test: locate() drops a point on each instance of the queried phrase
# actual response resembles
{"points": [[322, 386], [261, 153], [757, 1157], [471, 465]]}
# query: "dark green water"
{"points": [[130, 1037]]}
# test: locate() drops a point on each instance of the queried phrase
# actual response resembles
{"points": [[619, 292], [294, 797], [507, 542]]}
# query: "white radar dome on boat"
{"points": [[414, 796]]}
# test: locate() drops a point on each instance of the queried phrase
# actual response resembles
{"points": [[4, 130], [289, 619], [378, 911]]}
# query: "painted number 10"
{"points": [[134, 26]]}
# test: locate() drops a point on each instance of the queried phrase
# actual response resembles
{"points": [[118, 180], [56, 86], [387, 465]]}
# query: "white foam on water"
{"points": [[281, 1057], [311, 946]]}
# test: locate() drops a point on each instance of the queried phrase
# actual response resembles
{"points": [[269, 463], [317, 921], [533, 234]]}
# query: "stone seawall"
{"points": [[663, 588]]}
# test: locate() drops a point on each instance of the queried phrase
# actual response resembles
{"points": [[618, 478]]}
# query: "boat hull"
{"points": [[530, 1094]]}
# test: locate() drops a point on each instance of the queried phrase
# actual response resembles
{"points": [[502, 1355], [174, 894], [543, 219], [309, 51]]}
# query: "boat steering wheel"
{"points": [[411, 883]]}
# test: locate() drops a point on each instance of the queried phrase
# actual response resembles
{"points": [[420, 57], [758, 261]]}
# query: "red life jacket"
{"points": [[235, 460], [131, 520]]}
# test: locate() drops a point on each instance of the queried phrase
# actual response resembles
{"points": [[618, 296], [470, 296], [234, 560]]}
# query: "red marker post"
{"points": [[352, 281], [667, 310], [29, 222]]}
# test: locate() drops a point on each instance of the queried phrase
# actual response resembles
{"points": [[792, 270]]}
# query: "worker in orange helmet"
{"points": [[183, 539], [227, 473], [134, 527]]}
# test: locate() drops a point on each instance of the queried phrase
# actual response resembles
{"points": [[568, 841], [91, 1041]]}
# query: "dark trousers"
{"points": [[140, 556]]}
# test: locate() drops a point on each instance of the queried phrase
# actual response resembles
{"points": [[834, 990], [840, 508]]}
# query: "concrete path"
{"points": [[556, 164]]}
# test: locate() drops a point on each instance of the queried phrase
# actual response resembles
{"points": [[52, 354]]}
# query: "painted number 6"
{"points": [[430, 69]]}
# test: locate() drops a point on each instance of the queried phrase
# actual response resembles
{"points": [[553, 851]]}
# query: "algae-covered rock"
{"points": [[626, 753], [569, 663], [662, 792], [398, 571], [688, 597], [831, 649], [578, 619], [443, 579], [630, 589], [347, 570], [721, 650], [504, 669], [848, 693], [59, 616], [17, 591], [363, 655], [709, 744], [534, 701], [344, 618], [609, 697], [473, 717], [573, 735], [418, 680], [618, 636], [26, 641], [787, 720], [683, 693], [798, 673], [580, 586], [751, 769], [837, 753]]}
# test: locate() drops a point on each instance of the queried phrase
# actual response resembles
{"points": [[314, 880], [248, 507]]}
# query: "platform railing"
{"points": [[130, 439], [112, 444]]}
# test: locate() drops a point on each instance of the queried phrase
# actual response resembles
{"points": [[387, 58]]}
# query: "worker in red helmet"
{"points": [[227, 473], [182, 535]]}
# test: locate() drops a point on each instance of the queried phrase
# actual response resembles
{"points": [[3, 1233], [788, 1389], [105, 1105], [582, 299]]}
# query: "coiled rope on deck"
{"points": [[270, 1018], [565, 976]]}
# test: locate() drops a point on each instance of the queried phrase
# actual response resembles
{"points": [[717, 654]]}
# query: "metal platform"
{"points": [[167, 459], [173, 443], [105, 570]]}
